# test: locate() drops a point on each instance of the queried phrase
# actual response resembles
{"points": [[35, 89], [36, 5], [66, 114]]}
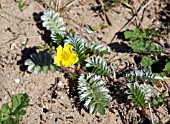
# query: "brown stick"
{"points": [[104, 12]]}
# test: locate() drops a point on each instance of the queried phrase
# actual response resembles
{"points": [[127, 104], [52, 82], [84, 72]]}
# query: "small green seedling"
{"points": [[159, 100], [167, 67], [21, 5], [111, 3], [147, 62], [142, 41], [139, 94], [11, 115], [103, 26]]}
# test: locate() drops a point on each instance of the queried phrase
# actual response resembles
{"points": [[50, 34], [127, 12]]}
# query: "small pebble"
{"points": [[62, 97], [60, 84], [17, 80], [14, 46], [24, 42], [13, 92]]}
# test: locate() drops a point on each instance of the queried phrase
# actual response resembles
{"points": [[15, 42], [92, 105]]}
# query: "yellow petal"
{"points": [[65, 56], [59, 49], [57, 60], [68, 48]]}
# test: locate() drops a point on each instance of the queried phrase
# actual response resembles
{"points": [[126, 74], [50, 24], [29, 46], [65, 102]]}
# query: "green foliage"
{"points": [[142, 41], [91, 90], [21, 5], [41, 62], [146, 89], [12, 115], [142, 75], [99, 66], [139, 94], [78, 45], [167, 67], [157, 122], [137, 34], [147, 62], [111, 3], [57, 38], [146, 47], [73, 75], [98, 49], [103, 26], [53, 22], [91, 28], [157, 101]]}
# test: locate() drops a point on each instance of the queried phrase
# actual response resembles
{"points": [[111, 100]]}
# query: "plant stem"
{"points": [[150, 110]]}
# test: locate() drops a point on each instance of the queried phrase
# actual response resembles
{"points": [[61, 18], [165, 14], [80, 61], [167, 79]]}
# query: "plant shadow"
{"points": [[45, 37], [73, 94], [25, 55], [120, 47], [163, 19], [158, 66], [164, 15], [46, 34]]}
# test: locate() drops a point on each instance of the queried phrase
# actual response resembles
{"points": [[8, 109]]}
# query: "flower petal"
{"points": [[68, 48], [65, 56], [57, 60]]}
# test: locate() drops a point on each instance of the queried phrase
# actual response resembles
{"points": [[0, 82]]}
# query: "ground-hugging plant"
{"points": [[21, 5], [53, 22], [11, 115], [145, 43], [139, 94], [108, 4], [143, 75], [99, 66], [141, 81], [167, 66], [92, 91], [147, 62], [98, 49], [78, 45], [140, 90], [42, 61], [70, 50], [142, 41]]}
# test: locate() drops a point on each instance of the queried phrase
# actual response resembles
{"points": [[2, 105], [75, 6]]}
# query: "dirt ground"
{"points": [[55, 106]]}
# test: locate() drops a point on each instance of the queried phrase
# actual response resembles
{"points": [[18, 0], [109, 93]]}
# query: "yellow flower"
{"points": [[65, 56]]}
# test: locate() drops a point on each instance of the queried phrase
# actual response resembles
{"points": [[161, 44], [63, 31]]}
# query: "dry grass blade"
{"points": [[107, 18]]}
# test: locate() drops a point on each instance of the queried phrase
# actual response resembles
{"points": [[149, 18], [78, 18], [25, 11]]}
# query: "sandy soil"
{"points": [[18, 27]]}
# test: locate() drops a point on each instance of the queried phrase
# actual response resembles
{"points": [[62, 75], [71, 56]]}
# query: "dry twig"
{"points": [[104, 12], [19, 38], [133, 17]]}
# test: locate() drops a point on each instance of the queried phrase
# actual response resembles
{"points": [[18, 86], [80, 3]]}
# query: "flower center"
{"points": [[65, 56]]}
